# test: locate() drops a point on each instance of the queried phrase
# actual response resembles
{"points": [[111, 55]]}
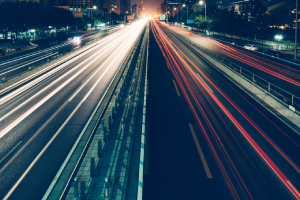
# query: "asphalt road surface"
{"points": [[40, 121], [13, 65], [207, 138], [279, 72]]}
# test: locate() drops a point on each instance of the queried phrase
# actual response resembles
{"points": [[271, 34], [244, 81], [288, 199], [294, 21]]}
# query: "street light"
{"points": [[187, 12], [201, 3], [125, 18], [112, 8], [91, 10], [177, 15], [296, 29], [278, 37]]}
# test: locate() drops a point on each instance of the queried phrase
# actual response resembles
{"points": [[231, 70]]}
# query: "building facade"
{"points": [[118, 6], [135, 9]]}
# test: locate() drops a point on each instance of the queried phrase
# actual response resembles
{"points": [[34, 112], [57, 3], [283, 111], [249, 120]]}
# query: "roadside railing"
{"points": [[290, 100]]}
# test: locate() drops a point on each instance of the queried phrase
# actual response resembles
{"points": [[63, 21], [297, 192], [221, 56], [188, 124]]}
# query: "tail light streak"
{"points": [[168, 47]]}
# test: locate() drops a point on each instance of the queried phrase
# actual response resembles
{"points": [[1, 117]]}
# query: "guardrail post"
{"points": [[269, 86], [99, 148], [92, 167], [292, 100], [109, 122], [82, 191], [230, 64], [105, 134], [113, 113], [116, 101], [102, 122], [253, 78], [75, 187], [106, 187], [240, 70]]}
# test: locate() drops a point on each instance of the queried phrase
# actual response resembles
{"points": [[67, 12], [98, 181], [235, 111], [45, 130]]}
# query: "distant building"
{"points": [[140, 10], [76, 11], [118, 6], [34, 1], [163, 9], [135, 9]]}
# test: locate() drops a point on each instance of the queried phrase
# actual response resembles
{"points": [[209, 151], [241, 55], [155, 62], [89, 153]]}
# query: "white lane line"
{"points": [[84, 52], [27, 64], [19, 119], [35, 53], [10, 152], [91, 77], [70, 71], [58, 131], [204, 82]]}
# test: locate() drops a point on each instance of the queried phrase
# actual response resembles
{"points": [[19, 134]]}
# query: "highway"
{"points": [[255, 153], [282, 73], [10, 67], [41, 120]]}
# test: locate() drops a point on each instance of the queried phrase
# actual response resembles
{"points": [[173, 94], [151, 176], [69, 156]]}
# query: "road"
{"points": [[41, 120], [246, 148], [11, 66], [282, 73]]}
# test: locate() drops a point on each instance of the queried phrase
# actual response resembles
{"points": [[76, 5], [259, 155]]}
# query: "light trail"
{"points": [[19, 119], [167, 46], [249, 58]]}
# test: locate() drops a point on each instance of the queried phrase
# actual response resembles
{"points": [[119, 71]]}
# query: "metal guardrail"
{"points": [[290, 100]]}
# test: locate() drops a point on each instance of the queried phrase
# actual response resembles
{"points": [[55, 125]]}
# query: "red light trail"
{"points": [[183, 68]]}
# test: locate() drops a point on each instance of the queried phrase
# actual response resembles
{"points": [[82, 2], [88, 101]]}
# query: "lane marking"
{"points": [[146, 161], [147, 87], [168, 66], [9, 69], [205, 165], [176, 88], [204, 82], [10, 152]]}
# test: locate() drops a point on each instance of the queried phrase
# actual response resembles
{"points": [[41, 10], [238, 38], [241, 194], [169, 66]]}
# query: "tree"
{"points": [[201, 23], [251, 13]]}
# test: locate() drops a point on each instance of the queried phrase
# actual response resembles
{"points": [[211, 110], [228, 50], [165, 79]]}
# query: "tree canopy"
{"points": [[22, 16]]}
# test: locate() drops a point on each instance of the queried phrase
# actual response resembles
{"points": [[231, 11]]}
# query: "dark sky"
{"points": [[149, 5]]}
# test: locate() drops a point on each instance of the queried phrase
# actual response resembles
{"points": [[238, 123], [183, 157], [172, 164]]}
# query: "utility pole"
{"points": [[296, 29], [178, 11]]}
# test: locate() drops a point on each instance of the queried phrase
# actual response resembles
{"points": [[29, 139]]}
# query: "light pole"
{"points": [[112, 8], [296, 29], [125, 18], [168, 15], [187, 12], [177, 15], [201, 3], [91, 12]]}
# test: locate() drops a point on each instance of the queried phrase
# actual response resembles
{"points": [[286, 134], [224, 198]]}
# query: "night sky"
{"points": [[149, 5]]}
